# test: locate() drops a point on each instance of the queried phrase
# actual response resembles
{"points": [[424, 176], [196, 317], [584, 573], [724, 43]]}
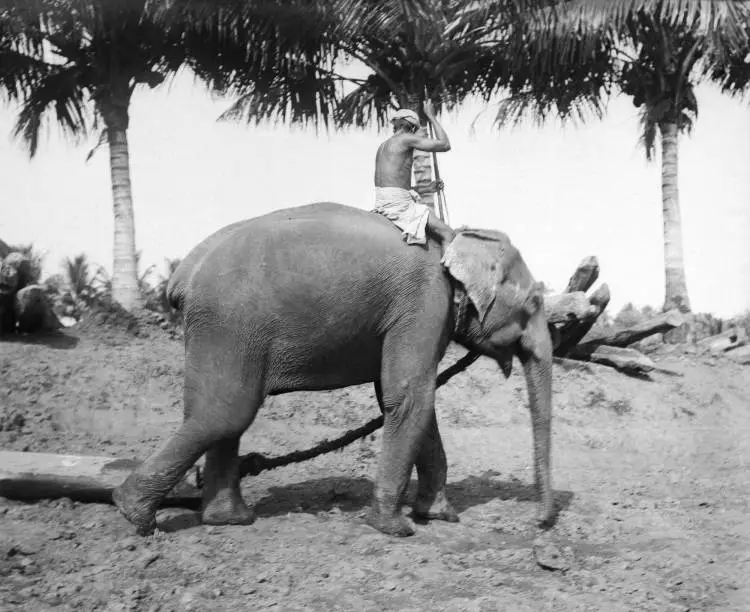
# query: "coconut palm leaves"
{"points": [[273, 57]]}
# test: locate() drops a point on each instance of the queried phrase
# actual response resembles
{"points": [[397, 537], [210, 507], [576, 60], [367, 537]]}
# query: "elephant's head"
{"points": [[499, 311]]}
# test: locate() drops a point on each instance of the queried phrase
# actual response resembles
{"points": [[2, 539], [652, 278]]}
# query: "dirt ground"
{"points": [[652, 476]]}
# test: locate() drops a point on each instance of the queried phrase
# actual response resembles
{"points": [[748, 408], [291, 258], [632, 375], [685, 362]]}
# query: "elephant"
{"points": [[325, 296]]}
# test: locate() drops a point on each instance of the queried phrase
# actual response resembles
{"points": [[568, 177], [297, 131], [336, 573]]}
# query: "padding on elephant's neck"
{"points": [[461, 308]]}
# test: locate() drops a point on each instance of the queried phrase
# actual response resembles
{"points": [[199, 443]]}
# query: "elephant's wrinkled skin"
{"points": [[326, 296]]}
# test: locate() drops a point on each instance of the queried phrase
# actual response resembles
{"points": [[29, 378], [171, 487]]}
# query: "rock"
{"points": [[66, 321], [15, 273], [33, 310], [549, 556], [148, 559]]}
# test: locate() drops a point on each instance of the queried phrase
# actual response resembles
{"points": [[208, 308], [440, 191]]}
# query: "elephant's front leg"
{"points": [[408, 395], [432, 471]]}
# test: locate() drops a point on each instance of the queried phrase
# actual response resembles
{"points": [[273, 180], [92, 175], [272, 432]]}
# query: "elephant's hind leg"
{"points": [[222, 499], [221, 400]]}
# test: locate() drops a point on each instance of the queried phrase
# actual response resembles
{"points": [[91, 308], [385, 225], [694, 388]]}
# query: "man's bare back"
{"points": [[393, 163], [395, 157]]}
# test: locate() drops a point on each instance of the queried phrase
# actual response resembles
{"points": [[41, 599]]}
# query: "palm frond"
{"points": [[56, 92], [714, 19], [366, 104]]}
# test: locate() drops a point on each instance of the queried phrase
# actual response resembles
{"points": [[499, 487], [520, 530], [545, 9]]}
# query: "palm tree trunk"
{"points": [[676, 294], [422, 165], [124, 271]]}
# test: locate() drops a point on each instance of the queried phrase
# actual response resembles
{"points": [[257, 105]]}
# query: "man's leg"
{"points": [[440, 230]]}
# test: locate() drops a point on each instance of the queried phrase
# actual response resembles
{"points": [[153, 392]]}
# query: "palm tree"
{"points": [[657, 58], [661, 79], [80, 61], [77, 274]]}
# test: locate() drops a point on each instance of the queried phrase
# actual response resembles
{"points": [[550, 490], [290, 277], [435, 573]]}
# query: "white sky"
{"points": [[560, 193]]}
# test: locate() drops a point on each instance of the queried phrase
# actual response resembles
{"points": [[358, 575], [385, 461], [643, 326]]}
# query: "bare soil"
{"points": [[651, 475]]}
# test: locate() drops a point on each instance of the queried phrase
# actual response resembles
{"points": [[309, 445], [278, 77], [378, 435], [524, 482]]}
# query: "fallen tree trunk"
{"points": [[573, 333], [566, 307], [732, 338], [660, 324], [32, 476], [626, 360], [585, 275]]}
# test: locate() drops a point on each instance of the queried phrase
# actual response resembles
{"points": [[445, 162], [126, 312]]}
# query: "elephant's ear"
{"points": [[474, 259], [535, 299]]}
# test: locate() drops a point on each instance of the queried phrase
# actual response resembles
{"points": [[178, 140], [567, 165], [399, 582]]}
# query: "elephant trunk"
{"points": [[537, 364]]}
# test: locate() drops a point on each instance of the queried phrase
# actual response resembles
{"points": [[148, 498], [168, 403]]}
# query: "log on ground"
{"points": [[626, 360], [659, 324], [727, 340], [35, 476]]}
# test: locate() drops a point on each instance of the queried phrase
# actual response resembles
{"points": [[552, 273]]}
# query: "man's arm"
{"points": [[438, 144]]}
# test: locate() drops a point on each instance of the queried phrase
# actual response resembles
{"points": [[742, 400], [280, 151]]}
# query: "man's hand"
{"points": [[436, 186]]}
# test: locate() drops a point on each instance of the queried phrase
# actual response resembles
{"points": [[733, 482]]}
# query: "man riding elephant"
{"points": [[395, 198]]}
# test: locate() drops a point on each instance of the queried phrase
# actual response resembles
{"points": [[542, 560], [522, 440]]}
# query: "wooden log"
{"points": [[727, 340], [626, 360], [567, 307], [585, 275], [34, 476], [659, 324], [574, 333]]}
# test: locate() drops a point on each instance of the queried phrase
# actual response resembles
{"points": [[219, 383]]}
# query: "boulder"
{"points": [[15, 273], [33, 310]]}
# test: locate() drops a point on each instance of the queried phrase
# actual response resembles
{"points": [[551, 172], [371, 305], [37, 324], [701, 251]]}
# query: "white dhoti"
{"points": [[404, 208]]}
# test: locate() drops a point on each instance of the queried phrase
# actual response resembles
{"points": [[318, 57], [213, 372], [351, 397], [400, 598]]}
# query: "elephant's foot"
{"points": [[136, 507], [395, 525], [227, 508], [437, 509]]}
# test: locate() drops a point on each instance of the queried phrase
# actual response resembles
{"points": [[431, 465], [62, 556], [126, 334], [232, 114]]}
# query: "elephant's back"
{"points": [[322, 239]]}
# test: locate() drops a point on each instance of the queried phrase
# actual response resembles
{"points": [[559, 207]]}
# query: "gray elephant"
{"points": [[325, 296]]}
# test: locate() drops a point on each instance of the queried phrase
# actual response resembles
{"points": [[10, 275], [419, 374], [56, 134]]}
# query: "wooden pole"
{"points": [[442, 204]]}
